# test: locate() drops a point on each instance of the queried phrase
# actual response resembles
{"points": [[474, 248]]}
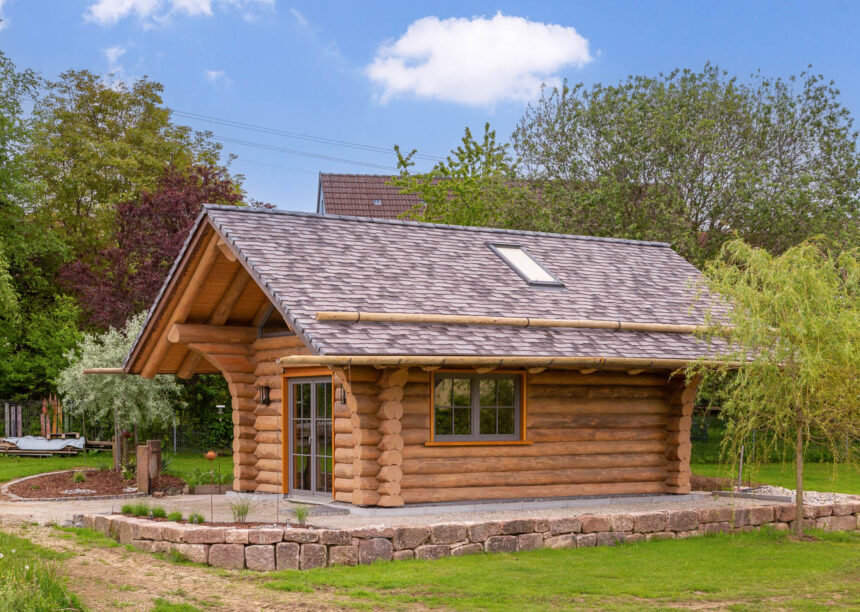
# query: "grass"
{"points": [[816, 476], [182, 465], [162, 605], [745, 571], [29, 578], [86, 537]]}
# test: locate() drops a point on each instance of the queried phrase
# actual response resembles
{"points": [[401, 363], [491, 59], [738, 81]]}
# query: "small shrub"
{"points": [[104, 465], [140, 509], [129, 470], [301, 513], [174, 516], [127, 509], [79, 477], [241, 508], [196, 518], [158, 512]]}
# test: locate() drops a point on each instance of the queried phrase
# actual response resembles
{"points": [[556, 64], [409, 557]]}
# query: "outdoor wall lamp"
{"points": [[264, 396]]}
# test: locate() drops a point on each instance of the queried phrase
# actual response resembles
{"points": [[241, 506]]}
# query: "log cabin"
{"points": [[380, 363]]}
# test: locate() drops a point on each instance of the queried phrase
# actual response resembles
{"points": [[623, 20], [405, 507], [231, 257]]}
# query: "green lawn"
{"points": [[29, 578], [741, 572], [817, 476], [183, 465]]}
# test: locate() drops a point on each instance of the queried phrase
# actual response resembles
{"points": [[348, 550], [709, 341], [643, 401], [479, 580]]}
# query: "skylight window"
{"points": [[525, 265], [377, 202]]}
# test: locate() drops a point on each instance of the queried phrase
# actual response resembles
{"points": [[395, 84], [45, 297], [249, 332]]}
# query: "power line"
{"points": [[239, 159], [266, 147], [297, 135]]}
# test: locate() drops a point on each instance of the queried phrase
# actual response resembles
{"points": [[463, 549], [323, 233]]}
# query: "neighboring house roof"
{"points": [[362, 195], [307, 263]]}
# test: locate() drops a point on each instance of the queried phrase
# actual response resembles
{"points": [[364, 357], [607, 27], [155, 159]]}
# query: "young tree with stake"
{"points": [[794, 323]]}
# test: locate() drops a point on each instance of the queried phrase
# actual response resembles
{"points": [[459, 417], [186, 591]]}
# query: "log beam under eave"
{"points": [[226, 251], [189, 333], [180, 313]]}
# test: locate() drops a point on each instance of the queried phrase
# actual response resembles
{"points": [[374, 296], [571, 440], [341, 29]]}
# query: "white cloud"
{"points": [[476, 61], [217, 76], [300, 19], [112, 54], [109, 12], [4, 21]]}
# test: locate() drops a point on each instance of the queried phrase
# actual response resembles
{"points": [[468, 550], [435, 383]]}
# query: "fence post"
{"points": [[20, 421], [6, 427]]}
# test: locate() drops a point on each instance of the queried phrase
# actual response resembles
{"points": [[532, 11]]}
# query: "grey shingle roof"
{"points": [[309, 263]]}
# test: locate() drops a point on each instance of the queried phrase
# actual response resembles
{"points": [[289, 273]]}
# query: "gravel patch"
{"points": [[809, 497]]}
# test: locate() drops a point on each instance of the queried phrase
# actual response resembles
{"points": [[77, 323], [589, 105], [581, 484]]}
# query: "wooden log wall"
{"points": [[593, 434]]}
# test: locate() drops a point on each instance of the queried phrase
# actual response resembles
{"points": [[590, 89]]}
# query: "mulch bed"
{"points": [[96, 483]]}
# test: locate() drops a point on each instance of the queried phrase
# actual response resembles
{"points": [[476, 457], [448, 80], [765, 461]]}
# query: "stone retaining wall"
{"points": [[276, 548]]}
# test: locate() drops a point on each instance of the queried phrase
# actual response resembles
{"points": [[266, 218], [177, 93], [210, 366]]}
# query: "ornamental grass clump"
{"points": [[174, 516], [140, 509], [79, 477], [157, 512], [241, 508], [301, 513], [196, 518]]}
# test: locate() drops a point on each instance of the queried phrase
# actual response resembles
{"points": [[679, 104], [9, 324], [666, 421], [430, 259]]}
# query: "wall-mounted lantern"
{"points": [[264, 396]]}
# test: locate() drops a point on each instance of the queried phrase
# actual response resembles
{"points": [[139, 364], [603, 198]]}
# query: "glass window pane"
{"points": [[323, 400], [507, 424], [443, 425], [506, 392], [488, 391], [462, 392], [527, 266], [462, 421], [488, 421], [443, 392]]}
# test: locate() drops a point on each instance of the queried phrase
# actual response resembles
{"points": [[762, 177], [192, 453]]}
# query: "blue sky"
{"points": [[412, 73]]}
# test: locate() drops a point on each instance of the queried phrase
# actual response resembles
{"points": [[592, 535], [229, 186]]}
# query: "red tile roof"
{"points": [[362, 195]]}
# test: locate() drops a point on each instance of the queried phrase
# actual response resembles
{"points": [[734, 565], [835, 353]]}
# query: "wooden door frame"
{"points": [[287, 375]]}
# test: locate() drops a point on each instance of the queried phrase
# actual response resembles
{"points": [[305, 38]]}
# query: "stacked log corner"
{"points": [[679, 446], [257, 436]]}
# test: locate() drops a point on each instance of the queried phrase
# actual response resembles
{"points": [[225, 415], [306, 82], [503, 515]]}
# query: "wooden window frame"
{"points": [[286, 376], [523, 391]]}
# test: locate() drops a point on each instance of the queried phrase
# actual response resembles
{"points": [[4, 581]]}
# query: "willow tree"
{"points": [[794, 325], [126, 400]]}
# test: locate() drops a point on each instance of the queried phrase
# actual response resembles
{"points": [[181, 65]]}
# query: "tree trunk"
{"points": [[798, 500]]}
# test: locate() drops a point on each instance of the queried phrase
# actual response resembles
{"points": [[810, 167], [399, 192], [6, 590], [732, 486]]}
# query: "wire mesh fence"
{"points": [[20, 418]]}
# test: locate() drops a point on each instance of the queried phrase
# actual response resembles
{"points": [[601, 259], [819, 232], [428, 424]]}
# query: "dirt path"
{"points": [[115, 578]]}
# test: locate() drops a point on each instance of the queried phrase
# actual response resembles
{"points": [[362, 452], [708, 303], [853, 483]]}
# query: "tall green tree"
{"points": [[794, 324], [694, 158], [468, 188], [96, 143]]}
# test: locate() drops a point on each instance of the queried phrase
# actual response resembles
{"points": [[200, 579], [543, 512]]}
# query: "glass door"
{"points": [[310, 436]]}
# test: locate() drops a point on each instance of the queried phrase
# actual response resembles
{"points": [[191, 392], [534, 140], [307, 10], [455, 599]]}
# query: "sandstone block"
{"points": [[780, 526], [586, 539], [724, 527], [196, 553], [621, 522], [479, 532], [610, 538], [260, 557], [432, 551], [144, 545], [374, 549], [286, 556], [410, 537], [529, 541], [682, 520], [566, 540], [374, 531], [150, 530], [312, 556], [517, 526], [839, 523], [634, 537], [229, 556], [466, 549], [204, 535], [760, 515], [786, 513], [127, 531], [334, 537], [688, 534], [342, 555], [714, 515], [823, 510], [269, 535], [592, 523], [447, 533], [172, 533], [501, 543], [741, 517], [660, 535], [101, 523], [236, 536], [542, 525], [649, 522], [403, 555], [843, 509], [565, 525]]}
